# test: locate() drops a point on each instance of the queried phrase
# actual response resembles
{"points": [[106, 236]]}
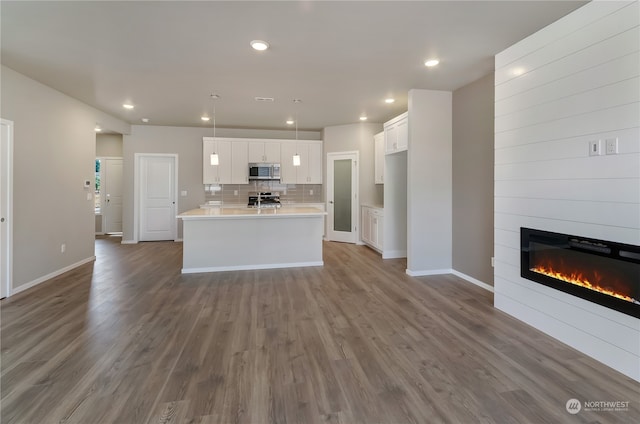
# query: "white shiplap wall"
{"points": [[575, 81]]}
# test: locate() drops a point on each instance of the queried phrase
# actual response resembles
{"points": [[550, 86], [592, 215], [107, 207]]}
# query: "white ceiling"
{"points": [[342, 59]]}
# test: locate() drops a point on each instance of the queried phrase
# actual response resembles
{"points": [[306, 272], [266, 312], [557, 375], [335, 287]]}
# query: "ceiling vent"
{"points": [[264, 99]]}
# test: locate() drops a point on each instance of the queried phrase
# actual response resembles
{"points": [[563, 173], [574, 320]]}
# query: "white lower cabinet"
{"points": [[372, 226]]}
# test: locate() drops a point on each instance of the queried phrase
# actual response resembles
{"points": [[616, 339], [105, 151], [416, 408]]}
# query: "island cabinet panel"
{"points": [[396, 134], [226, 239], [310, 169], [264, 151]]}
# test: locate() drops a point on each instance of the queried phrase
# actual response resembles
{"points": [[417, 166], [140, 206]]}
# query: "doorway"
{"points": [[342, 197], [109, 194], [155, 197], [6, 206]]}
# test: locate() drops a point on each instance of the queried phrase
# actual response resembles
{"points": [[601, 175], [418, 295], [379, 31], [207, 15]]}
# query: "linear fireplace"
{"points": [[600, 271]]}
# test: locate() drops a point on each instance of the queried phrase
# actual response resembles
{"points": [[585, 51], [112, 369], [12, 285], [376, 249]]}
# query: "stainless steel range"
{"points": [[264, 199]]}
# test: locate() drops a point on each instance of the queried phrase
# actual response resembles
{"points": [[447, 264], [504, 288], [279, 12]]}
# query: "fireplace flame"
{"points": [[578, 280]]}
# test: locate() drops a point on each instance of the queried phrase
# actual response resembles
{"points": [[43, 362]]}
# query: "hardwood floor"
{"points": [[128, 339]]}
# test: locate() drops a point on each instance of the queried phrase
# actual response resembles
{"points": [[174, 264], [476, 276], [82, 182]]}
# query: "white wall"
{"points": [[54, 153], [355, 137], [473, 179], [429, 182], [186, 142], [575, 81], [109, 145]]}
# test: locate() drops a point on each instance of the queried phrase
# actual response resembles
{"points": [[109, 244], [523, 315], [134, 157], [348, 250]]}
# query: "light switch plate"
{"points": [[594, 148], [183, 193], [611, 146]]}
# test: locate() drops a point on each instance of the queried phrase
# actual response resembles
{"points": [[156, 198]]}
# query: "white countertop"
{"points": [[221, 213]]}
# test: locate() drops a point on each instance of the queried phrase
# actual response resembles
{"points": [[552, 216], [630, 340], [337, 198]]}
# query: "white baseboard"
{"points": [[51, 275], [472, 280], [250, 267], [100, 233], [129, 242], [178, 240], [429, 272]]}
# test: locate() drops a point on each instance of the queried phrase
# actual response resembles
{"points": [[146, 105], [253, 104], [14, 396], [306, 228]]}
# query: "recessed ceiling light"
{"points": [[205, 118], [290, 122], [431, 62], [97, 128], [389, 100], [145, 120], [259, 45], [363, 118], [518, 71], [127, 106]]}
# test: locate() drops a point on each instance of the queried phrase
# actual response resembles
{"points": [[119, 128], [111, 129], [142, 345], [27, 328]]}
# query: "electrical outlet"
{"points": [[235, 192], [611, 146], [183, 193], [310, 192], [493, 261], [63, 248], [594, 148]]}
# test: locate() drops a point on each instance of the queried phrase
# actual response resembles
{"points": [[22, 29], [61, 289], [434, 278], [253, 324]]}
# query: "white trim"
{"points": [[51, 275], [129, 242], [178, 240], [9, 217], [472, 280], [136, 192], [429, 272], [100, 233], [250, 267]]}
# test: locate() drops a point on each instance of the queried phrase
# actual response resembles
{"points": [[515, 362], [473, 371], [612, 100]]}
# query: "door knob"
{"points": [[1, 219], [331, 201]]}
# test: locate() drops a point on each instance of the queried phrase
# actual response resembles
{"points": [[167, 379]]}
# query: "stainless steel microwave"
{"points": [[264, 171]]}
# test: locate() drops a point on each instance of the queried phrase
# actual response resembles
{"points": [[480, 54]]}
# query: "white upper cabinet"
{"points": [[239, 162], [220, 173], [233, 164], [378, 141], [264, 151], [396, 134], [310, 169]]}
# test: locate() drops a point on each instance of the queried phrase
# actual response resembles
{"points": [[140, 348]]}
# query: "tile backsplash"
{"points": [[239, 193]]}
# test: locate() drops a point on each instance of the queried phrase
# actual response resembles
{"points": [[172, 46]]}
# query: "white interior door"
{"points": [[111, 190], [157, 177], [6, 149], [342, 197]]}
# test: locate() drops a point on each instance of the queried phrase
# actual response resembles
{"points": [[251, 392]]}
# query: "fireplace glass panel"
{"points": [[603, 272]]}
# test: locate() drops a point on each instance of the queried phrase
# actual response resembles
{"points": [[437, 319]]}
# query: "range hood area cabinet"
{"points": [[233, 161], [310, 169], [396, 134], [264, 151]]}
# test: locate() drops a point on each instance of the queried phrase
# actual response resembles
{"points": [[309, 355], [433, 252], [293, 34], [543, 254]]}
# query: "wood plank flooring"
{"points": [[128, 339]]}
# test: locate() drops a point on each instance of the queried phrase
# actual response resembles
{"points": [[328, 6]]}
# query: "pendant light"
{"points": [[296, 157], [214, 159]]}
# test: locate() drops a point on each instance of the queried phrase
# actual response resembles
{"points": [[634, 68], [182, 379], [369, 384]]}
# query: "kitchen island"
{"points": [[227, 239]]}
